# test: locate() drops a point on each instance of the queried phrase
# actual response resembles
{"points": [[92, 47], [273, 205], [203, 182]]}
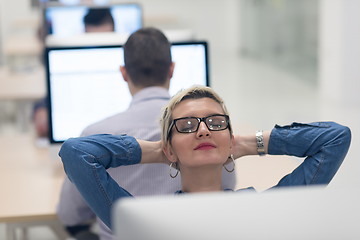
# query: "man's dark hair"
{"points": [[98, 16], [147, 57]]}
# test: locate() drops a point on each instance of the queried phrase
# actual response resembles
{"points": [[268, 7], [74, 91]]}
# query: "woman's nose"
{"points": [[203, 130]]}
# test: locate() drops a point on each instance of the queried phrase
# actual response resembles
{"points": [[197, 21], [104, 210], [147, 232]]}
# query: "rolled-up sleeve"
{"points": [[85, 162], [324, 146]]}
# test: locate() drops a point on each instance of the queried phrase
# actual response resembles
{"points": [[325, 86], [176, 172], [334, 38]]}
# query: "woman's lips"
{"points": [[205, 146]]}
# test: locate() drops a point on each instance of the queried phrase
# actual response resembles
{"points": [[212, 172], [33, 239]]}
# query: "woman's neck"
{"points": [[201, 179]]}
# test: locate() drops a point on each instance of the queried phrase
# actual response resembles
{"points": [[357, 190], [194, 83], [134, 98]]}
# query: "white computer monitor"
{"points": [[290, 213], [68, 20], [85, 85]]}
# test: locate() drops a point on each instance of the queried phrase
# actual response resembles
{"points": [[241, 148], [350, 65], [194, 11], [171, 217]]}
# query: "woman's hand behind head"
{"points": [[152, 152]]}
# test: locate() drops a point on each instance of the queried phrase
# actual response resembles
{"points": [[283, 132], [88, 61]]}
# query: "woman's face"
{"points": [[203, 147]]}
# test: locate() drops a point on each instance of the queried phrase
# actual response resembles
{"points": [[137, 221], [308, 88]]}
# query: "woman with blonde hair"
{"points": [[197, 142]]}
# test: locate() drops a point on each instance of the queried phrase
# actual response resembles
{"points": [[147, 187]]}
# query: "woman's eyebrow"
{"points": [[206, 115]]}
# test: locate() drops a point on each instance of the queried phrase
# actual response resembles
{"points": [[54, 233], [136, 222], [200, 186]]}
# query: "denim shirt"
{"points": [[323, 144]]}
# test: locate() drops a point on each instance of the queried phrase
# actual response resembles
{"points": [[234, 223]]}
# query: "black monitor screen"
{"points": [[85, 84]]}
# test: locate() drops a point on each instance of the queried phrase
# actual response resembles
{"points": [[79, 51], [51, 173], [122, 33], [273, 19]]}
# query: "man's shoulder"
{"points": [[109, 125], [142, 115], [135, 122]]}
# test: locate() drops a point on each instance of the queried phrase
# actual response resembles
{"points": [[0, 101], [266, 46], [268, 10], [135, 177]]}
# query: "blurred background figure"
{"points": [[96, 20], [40, 118], [99, 20]]}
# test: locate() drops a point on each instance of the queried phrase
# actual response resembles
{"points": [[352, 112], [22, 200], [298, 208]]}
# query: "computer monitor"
{"points": [[298, 213], [68, 2], [85, 85], [68, 20]]}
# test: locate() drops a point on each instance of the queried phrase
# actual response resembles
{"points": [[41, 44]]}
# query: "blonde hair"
{"points": [[194, 92]]}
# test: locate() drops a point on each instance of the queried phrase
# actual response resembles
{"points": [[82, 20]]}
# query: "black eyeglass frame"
{"points": [[203, 119]]}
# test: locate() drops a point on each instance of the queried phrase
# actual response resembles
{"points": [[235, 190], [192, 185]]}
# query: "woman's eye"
{"points": [[216, 123], [186, 127], [187, 130]]}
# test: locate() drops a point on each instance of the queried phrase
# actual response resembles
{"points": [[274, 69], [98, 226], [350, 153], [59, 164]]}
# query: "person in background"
{"points": [[99, 20], [197, 141], [147, 71], [95, 20], [40, 118]]}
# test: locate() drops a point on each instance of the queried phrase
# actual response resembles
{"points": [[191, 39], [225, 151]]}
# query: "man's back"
{"points": [[147, 70], [140, 121]]}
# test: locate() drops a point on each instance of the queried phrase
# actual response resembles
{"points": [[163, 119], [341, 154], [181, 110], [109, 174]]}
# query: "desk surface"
{"points": [[30, 181], [22, 86], [22, 45]]}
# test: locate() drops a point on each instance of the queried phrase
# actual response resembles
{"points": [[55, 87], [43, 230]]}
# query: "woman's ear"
{"points": [[169, 153]]}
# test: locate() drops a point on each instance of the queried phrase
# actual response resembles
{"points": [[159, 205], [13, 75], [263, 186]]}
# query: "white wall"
{"points": [[13, 11], [339, 76], [16, 18], [216, 21], [339, 54]]}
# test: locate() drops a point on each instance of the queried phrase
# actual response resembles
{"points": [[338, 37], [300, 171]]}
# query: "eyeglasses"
{"points": [[216, 122]]}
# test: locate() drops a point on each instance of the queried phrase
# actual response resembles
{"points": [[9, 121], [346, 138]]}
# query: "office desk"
{"points": [[30, 183], [23, 89], [22, 86]]}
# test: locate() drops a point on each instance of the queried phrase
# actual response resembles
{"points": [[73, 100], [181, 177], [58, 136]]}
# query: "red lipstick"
{"points": [[205, 146]]}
